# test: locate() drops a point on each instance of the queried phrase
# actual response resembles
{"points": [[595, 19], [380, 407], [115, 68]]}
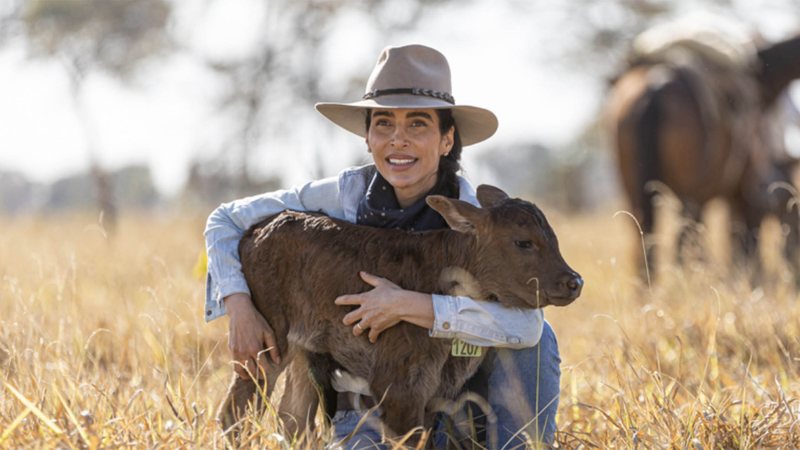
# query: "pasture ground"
{"points": [[103, 343]]}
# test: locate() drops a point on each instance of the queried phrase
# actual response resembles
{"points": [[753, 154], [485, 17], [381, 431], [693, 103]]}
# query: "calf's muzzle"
{"points": [[568, 287]]}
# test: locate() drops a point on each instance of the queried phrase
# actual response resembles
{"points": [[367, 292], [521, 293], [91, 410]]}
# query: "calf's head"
{"points": [[517, 257]]}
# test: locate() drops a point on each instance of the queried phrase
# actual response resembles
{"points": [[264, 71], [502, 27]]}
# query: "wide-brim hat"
{"points": [[415, 77]]}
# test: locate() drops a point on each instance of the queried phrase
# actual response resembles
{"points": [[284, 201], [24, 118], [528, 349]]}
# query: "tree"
{"points": [[85, 36], [267, 91]]}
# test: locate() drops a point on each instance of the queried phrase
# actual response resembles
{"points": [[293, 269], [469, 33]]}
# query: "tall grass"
{"points": [[704, 359], [103, 344]]}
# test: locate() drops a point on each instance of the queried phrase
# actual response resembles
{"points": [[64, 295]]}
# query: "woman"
{"points": [[415, 132]]}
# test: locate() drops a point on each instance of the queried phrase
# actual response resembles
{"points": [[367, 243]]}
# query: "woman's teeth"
{"points": [[399, 162]]}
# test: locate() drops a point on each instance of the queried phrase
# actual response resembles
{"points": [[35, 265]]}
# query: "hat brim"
{"points": [[474, 124]]}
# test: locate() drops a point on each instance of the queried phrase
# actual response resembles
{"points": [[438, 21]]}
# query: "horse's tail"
{"points": [[647, 148], [663, 82]]}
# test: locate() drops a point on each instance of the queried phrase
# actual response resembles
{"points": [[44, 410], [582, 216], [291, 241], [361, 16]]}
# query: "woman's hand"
{"points": [[385, 306], [250, 336]]}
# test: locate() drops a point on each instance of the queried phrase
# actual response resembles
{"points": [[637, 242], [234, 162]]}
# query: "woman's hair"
{"points": [[450, 164]]}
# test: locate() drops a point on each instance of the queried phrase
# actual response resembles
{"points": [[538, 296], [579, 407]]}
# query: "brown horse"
{"points": [[700, 118]]}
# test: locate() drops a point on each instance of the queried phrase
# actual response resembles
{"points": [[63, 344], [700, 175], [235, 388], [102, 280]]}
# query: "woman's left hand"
{"points": [[385, 306]]}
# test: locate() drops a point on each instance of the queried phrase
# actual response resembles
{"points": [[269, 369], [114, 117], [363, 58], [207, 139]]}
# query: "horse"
{"points": [[698, 114]]}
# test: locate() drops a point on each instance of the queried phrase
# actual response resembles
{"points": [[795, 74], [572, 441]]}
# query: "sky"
{"points": [[166, 117]]}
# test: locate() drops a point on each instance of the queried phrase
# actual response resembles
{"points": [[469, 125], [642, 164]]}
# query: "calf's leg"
{"points": [[243, 392], [404, 396], [307, 380]]}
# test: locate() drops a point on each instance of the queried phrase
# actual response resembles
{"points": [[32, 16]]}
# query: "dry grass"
{"points": [[103, 344]]}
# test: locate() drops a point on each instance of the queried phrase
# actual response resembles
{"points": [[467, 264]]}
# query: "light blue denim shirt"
{"points": [[474, 321]]}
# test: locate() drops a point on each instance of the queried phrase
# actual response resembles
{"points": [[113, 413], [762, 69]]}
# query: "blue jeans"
{"points": [[367, 436], [524, 386], [522, 390]]}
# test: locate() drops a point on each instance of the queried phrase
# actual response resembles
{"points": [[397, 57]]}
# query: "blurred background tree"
{"points": [[270, 89], [112, 36], [263, 97]]}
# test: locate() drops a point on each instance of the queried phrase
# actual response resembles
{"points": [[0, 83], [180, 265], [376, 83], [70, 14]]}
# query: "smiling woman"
{"points": [[414, 130], [406, 145]]}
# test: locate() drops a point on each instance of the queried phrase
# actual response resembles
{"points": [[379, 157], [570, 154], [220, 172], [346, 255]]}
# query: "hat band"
{"points": [[413, 91]]}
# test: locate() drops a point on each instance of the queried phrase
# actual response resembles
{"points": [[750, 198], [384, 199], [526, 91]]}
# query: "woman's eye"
{"points": [[524, 244]]}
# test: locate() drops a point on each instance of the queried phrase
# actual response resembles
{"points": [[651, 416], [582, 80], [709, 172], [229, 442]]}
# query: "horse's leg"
{"points": [[745, 223], [791, 249], [787, 208], [690, 243], [644, 252], [646, 255], [641, 208]]}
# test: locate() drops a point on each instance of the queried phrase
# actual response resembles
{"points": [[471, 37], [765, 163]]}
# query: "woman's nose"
{"points": [[398, 138]]}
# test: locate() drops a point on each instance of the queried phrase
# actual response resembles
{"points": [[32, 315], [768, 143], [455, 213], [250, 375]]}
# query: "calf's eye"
{"points": [[523, 244]]}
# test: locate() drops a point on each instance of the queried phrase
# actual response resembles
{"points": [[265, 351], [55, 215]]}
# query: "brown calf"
{"points": [[296, 264]]}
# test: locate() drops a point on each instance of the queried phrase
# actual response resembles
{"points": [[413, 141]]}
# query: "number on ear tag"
{"points": [[463, 349]]}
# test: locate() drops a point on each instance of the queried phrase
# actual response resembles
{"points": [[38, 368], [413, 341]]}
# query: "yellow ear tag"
{"points": [[462, 349]]}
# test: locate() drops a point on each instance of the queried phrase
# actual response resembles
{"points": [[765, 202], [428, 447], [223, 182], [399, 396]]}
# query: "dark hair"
{"points": [[449, 165]]}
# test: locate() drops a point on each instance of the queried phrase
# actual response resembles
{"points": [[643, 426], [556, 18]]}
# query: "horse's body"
{"points": [[700, 119]]}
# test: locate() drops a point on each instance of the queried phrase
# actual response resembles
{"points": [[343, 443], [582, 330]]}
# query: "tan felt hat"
{"points": [[416, 77]]}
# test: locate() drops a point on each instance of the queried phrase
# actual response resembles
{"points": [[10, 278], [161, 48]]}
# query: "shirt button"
{"points": [[446, 325], [514, 340], [208, 313]]}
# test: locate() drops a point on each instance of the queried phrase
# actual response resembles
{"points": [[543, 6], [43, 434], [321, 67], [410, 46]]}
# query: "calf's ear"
{"points": [[459, 215], [489, 196]]}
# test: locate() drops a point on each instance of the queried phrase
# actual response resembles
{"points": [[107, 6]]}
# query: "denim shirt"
{"points": [[473, 321]]}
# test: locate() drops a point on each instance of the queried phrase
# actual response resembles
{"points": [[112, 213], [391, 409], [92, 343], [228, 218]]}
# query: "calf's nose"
{"points": [[572, 283]]}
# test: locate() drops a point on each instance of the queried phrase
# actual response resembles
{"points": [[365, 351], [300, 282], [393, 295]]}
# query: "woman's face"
{"points": [[406, 145]]}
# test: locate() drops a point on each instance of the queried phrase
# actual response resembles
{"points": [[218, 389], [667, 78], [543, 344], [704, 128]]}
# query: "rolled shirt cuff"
{"points": [[215, 292], [484, 323]]}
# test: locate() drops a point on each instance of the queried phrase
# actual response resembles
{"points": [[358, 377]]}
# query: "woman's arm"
{"points": [[483, 323], [228, 223], [250, 336]]}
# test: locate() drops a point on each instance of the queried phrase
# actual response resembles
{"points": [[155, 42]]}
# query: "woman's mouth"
{"points": [[401, 162]]}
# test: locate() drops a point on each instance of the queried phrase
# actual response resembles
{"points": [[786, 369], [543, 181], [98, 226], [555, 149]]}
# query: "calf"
{"points": [[296, 264]]}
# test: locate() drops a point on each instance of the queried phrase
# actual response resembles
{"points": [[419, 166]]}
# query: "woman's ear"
{"points": [[448, 139]]}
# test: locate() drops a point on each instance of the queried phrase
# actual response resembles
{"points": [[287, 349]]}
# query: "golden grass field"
{"points": [[103, 343]]}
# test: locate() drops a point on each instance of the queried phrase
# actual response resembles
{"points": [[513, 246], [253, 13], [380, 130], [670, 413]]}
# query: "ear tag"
{"points": [[465, 350]]}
